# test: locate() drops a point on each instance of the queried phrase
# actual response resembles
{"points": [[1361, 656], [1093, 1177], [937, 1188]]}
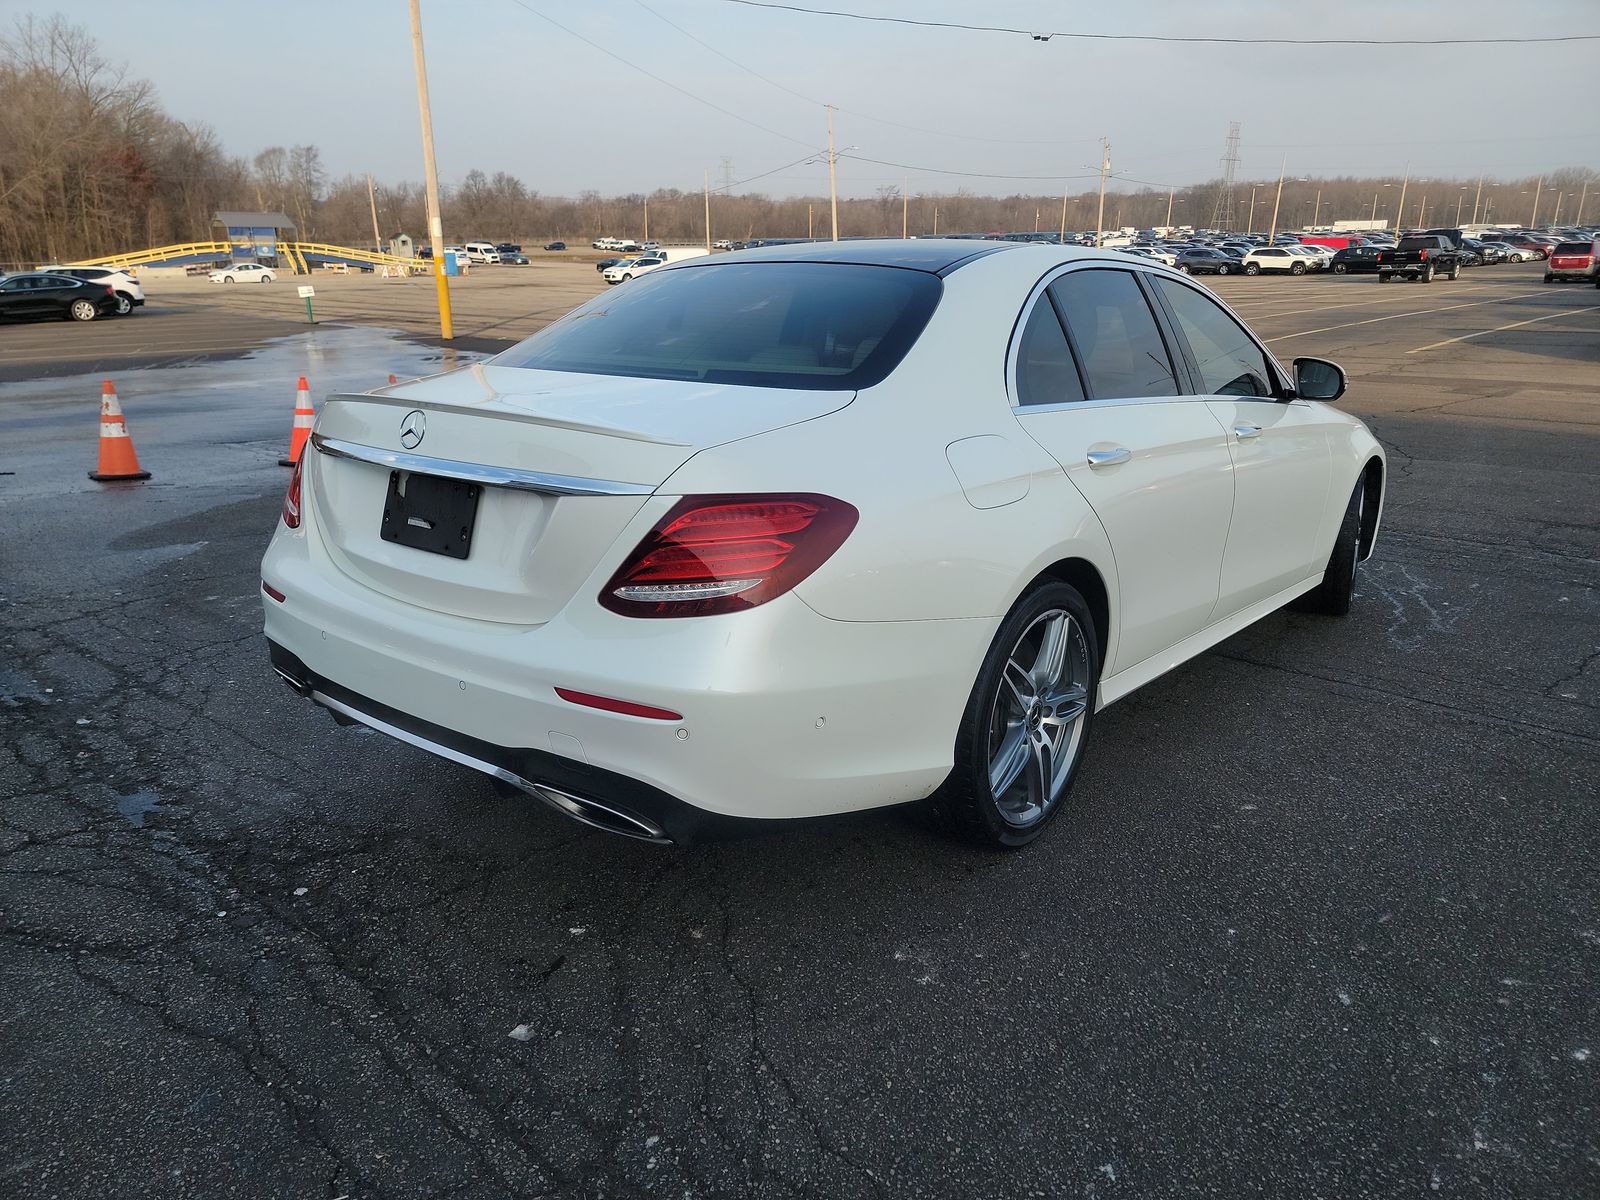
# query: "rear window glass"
{"points": [[1422, 243], [1572, 248], [829, 326]]}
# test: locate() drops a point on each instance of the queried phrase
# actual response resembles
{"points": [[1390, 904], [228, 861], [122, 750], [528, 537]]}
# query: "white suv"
{"points": [[1274, 258], [628, 268]]}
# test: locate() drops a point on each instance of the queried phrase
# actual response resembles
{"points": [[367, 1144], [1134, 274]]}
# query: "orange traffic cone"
{"points": [[117, 459], [304, 414], [392, 379]]}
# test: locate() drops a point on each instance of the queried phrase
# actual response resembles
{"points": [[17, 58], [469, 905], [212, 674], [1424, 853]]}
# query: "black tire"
{"points": [[1455, 272], [1333, 595], [1184, 268], [266, 279], [1252, 268], [1384, 277], [1427, 273], [1339, 268], [82, 310], [124, 304], [1224, 269], [1297, 269], [1549, 278], [964, 804]]}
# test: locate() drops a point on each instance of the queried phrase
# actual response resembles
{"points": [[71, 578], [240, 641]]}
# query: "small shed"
{"points": [[252, 235]]}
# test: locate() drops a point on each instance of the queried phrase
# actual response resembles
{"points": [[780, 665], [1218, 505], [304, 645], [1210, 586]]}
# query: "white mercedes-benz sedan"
{"points": [[813, 528]]}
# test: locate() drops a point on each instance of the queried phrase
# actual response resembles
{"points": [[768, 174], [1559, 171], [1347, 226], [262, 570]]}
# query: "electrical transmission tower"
{"points": [[1222, 212], [727, 173]]}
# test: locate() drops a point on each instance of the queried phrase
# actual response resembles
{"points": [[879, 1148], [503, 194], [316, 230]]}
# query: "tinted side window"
{"points": [[1230, 363], [1046, 373], [1116, 335]]}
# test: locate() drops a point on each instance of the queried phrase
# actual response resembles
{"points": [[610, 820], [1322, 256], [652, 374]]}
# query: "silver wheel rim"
{"points": [[1037, 720], [124, 306], [82, 310]]}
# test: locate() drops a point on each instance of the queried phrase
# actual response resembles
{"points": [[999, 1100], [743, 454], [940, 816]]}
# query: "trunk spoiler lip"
{"points": [[514, 478], [477, 409]]}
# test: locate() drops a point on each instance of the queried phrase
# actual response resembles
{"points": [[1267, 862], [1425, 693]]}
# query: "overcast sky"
{"points": [[513, 92]]}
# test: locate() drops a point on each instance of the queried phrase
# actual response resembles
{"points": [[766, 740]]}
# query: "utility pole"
{"points": [[1064, 194], [1475, 199], [1170, 194], [1251, 228], [1374, 208], [905, 206], [1584, 195], [833, 181], [1422, 210], [1105, 165], [646, 237], [1556, 220], [1272, 231], [1400, 209], [935, 220], [708, 211], [430, 170], [810, 212], [1316, 212], [1533, 221], [372, 199]]}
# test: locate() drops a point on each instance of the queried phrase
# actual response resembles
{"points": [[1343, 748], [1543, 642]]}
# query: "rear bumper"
{"points": [[1584, 273], [785, 713]]}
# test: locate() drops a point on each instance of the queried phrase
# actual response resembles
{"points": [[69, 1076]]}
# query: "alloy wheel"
{"points": [[1037, 721]]}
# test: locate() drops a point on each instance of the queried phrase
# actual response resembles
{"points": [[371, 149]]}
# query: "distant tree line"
{"points": [[91, 165]]}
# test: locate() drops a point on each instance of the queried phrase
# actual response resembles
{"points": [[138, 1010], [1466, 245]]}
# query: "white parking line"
{"points": [[1266, 311], [1421, 312], [1467, 337]]}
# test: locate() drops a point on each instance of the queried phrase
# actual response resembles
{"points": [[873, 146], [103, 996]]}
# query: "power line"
{"points": [[1045, 35], [651, 74], [968, 137], [968, 174]]}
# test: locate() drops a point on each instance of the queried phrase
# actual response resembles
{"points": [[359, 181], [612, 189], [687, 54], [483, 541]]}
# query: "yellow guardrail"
{"points": [[292, 255], [156, 254]]}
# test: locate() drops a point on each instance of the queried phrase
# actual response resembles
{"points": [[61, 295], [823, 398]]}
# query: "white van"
{"points": [[481, 252]]}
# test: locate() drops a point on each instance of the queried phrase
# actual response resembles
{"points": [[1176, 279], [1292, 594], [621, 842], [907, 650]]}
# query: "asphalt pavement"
{"points": [[1322, 919]]}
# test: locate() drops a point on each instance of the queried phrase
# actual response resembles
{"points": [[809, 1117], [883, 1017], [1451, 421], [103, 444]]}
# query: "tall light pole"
{"points": [[935, 220], [1533, 221], [1317, 211], [833, 182], [1556, 220], [905, 207], [372, 199], [1460, 200], [646, 237], [1272, 232], [1105, 165], [1251, 225], [1065, 192], [1171, 192], [708, 210], [1582, 196], [1400, 210], [430, 170], [1422, 210], [810, 213], [1475, 199]]}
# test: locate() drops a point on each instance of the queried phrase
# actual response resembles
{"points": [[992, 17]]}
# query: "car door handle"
{"points": [[1109, 458], [1246, 431]]}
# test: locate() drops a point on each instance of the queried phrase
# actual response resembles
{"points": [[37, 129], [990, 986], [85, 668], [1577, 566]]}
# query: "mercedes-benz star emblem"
{"points": [[413, 429]]}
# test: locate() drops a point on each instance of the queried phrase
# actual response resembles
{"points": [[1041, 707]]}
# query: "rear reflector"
{"points": [[291, 498], [626, 707], [721, 554], [273, 592]]}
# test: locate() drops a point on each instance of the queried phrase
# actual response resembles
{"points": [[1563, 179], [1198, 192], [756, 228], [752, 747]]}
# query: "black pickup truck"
{"points": [[1420, 257]]}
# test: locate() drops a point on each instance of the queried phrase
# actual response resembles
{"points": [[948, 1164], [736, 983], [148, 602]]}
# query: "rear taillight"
{"points": [[721, 554], [1423, 256], [291, 498]]}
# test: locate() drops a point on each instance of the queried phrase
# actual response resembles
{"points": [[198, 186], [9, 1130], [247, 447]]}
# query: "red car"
{"points": [[1537, 243]]}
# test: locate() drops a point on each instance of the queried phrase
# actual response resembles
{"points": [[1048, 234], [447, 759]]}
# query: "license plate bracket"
{"points": [[429, 512]]}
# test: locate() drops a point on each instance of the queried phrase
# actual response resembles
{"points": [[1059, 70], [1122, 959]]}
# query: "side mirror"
{"points": [[1318, 379]]}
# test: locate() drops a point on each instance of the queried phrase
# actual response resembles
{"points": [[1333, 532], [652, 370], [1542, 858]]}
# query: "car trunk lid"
{"points": [[564, 463]]}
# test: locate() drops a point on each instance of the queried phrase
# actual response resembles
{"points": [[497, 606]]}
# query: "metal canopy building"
{"points": [[252, 235]]}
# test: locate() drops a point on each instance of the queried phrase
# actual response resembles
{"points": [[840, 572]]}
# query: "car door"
{"points": [[1094, 383], [1282, 458]]}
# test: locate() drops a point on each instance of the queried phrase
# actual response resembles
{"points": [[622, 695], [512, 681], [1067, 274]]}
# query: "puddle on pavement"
{"points": [[333, 359], [136, 806]]}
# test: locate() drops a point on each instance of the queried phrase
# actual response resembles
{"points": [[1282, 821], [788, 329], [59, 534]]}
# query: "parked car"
{"points": [[1420, 256], [796, 503], [629, 268], [1573, 260], [1204, 260], [505, 248], [1532, 245], [481, 252], [129, 291], [515, 258], [1488, 252], [605, 263], [1322, 256], [40, 294], [1354, 260], [246, 272], [555, 246], [722, 244], [1468, 254], [1274, 258]]}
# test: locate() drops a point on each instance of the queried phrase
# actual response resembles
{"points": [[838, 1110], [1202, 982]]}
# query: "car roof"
{"points": [[939, 256]]}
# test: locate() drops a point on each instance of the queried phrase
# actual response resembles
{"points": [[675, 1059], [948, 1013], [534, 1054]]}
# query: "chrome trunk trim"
{"points": [[515, 478]]}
